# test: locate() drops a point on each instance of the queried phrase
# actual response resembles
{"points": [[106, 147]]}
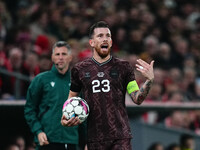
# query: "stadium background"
{"points": [[167, 31]]}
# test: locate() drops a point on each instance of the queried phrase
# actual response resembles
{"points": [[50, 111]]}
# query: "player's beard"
{"points": [[103, 54]]}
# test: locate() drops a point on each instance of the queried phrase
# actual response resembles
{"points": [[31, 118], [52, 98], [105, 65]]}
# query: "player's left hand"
{"points": [[70, 122], [145, 69]]}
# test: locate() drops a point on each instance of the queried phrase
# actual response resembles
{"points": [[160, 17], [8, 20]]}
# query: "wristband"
{"points": [[132, 86]]}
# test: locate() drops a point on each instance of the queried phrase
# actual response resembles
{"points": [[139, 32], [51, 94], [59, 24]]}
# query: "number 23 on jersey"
{"points": [[100, 86]]}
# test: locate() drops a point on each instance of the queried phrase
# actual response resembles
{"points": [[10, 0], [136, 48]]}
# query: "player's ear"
{"points": [[91, 42]]}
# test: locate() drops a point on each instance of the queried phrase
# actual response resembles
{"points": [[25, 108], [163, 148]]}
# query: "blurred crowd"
{"points": [[18, 142], [167, 31], [185, 142]]}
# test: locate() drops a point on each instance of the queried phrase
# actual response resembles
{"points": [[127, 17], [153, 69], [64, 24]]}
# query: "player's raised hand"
{"points": [[70, 122], [145, 69]]}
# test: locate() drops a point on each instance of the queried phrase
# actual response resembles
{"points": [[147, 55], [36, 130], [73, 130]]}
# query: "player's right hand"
{"points": [[42, 138], [70, 122]]}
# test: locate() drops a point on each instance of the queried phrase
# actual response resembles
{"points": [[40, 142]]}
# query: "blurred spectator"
{"points": [[12, 147], [155, 93], [3, 65], [23, 39], [173, 146], [22, 12], [147, 19], [15, 59], [76, 49], [30, 68], [67, 26], [189, 62], [160, 75], [150, 48], [135, 43], [197, 90], [44, 62], [175, 76], [156, 146], [197, 22], [187, 142], [39, 24], [174, 29], [163, 57], [14, 65], [181, 50], [20, 141], [120, 42], [194, 41], [192, 15], [172, 82], [81, 30], [5, 19], [195, 125], [42, 42], [170, 88], [178, 120], [188, 86], [175, 120], [54, 25], [86, 51], [31, 65], [176, 97]]}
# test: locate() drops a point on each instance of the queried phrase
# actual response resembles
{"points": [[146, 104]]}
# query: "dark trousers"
{"points": [[59, 146]]}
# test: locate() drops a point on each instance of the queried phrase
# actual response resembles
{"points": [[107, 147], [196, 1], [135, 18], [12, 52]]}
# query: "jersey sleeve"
{"points": [[130, 75], [76, 83]]}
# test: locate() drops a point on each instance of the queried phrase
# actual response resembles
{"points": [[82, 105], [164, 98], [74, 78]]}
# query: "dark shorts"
{"points": [[59, 146], [119, 144]]}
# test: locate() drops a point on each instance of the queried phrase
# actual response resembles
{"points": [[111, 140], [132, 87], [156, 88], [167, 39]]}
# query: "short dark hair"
{"points": [[184, 138], [172, 146], [61, 44], [154, 145], [100, 24]]}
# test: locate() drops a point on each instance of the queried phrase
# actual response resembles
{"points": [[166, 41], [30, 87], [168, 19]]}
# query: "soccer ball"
{"points": [[76, 106]]}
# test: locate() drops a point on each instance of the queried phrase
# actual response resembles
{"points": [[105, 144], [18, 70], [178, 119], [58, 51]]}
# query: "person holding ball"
{"points": [[103, 81]]}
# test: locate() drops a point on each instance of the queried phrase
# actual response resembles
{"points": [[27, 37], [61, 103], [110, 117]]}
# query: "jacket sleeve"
{"points": [[31, 109]]}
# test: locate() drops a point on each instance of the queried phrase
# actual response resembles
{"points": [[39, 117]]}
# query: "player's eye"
{"points": [[100, 35], [108, 35]]}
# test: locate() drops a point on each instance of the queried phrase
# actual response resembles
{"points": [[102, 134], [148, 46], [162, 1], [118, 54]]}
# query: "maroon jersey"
{"points": [[103, 86]]}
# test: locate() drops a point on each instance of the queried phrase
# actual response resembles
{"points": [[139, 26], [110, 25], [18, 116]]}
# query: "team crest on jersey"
{"points": [[100, 74]]}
